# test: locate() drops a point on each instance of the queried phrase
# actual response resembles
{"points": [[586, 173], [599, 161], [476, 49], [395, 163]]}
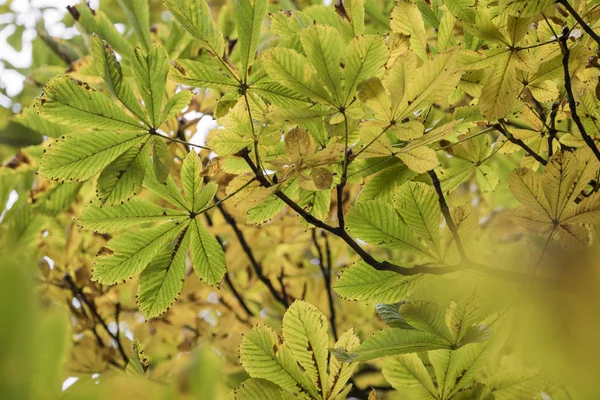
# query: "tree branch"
{"points": [[580, 20], [519, 143], [571, 98]]}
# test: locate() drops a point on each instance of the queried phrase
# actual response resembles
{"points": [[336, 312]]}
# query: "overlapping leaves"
{"points": [[296, 364], [421, 326], [110, 141], [159, 251]]}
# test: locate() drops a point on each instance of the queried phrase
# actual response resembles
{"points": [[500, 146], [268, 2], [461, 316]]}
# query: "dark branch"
{"points": [[256, 266], [228, 280], [569, 89], [580, 20], [519, 143], [92, 307]]}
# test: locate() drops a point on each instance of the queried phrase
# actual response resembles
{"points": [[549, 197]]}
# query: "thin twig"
{"points": [[92, 307], [256, 266], [228, 280], [325, 266]]}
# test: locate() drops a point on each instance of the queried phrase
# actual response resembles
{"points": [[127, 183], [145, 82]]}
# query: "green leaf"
{"points": [[176, 103], [150, 72], [123, 178], [419, 207], [69, 102], [394, 341], [363, 282], [379, 224], [200, 74], [248, 16], [293, 70], [365, 56], [161, 159], [407, 20], [194, 16], [305, 334], [162, 280], [407, 373], [271, 206], [138, 15], [524, 8], [80, 156], [252, 389], [323, 47], [192, 181], [433, 81], [125, 216], [340, 373], [137, 365], [390, 314], [426, 317], [207, 254], [128, 254], [263, 357], [110, 71], [96, 21], [499, 94]]}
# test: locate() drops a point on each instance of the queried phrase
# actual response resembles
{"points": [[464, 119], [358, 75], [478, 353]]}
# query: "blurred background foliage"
{"points": [[57, 324]]}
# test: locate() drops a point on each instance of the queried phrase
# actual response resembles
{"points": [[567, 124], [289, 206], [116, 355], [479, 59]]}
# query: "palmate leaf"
{"points": [[158, 252], [423, 327], [297, 363], [120, 154], [550, 199]]}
